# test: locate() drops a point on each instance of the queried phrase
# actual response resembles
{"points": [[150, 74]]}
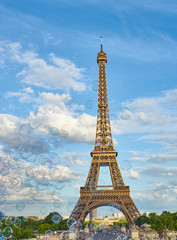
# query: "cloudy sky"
{"points": [[48, 97]]}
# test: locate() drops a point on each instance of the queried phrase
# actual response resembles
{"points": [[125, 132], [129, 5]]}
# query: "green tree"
{"points": [[16, 232], [44, 227], [142, 219], [48, 219], [27, 233]]}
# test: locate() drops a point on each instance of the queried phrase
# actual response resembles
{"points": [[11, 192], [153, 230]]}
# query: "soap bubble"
{"points": [[24, 130], [2, 216], [14, 162], [68, 235], [42, 159], [126, 165], [35, 195], [7, 232], [17, 184], [99, 189], [29, 173], [10, 220], [4, 168], [35, 120], [76, 227], [26, 153], [41, 183], [57, 173], [56, 218], [49, 232], [17, 222], [54, 158], [59, 185], [12, 238], [70, 222], [66, 130], [124, 113], [157, 194], [20, 206], [53, 131], [38, 148], [54, 142]]}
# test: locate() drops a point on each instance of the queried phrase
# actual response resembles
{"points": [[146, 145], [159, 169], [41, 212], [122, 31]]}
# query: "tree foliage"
{"points": [[160, 223], [44, 227], [29, 226]]}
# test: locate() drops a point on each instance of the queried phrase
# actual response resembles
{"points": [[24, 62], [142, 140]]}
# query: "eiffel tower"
{"points": [[91, 195]]}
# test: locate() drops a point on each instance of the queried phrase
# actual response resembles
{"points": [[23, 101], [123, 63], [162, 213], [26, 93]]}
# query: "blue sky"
{"points": [[48, 99]]}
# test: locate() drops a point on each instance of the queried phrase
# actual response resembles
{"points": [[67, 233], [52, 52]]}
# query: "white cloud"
{"points": [[24, 181], [160, 196], [77, 186], [77, 128], [29, 90], [73, 158], [57, 74], [160, 158], [154, 119], [25, 96], [131, 174], [8, 126], [159, 171], [173, 182], [156, 158]]}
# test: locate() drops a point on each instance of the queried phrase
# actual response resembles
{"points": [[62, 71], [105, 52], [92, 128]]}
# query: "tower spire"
{"points": [[101, 44], [103, 139]]}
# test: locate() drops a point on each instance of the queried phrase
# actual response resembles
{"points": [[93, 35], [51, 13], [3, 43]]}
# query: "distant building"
{"points": [[121, 216], [35, 218], [146, 214], [93, 215], [147, 232], [134, 232], [114, 215], [106, 220]]}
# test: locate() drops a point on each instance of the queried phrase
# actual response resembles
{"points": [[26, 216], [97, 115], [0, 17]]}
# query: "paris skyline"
{"points": [[48, 65]]}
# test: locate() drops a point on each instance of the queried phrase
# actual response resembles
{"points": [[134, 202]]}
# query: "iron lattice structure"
{"points": [[92, 195]]}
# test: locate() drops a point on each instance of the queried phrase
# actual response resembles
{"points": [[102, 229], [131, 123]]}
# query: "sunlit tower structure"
{"points": [[92, 195]]}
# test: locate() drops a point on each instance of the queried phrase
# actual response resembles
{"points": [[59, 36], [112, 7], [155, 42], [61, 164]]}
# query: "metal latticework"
{"points": [[103, 140], [92, 195]]}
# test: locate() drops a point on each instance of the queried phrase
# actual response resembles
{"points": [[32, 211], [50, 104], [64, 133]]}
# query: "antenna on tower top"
{"points": [[101, 44], [101, 39]]}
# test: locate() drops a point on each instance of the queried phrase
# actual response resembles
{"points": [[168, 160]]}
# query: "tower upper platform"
{"points": [[101, 56]]}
